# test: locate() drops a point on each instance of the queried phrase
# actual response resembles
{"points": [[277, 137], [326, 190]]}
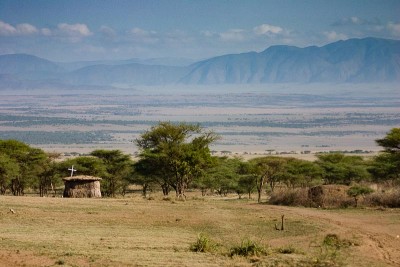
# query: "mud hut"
{"points": [[82, 186]]}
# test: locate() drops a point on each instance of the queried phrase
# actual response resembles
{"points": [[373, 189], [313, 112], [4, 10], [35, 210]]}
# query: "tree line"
{"points": [[175, 157]]}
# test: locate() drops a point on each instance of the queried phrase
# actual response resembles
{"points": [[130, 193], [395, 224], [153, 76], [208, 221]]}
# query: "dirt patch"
{"points": [[377, 237]]}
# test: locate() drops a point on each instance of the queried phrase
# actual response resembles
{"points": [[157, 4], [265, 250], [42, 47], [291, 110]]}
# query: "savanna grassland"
{"points": [[134, 231]]}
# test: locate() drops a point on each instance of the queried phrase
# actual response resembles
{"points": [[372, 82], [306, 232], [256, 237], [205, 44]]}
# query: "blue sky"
{"points": [[71, 30]]}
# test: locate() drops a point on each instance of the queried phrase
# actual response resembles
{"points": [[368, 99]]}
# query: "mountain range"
{"points": [[350, 61]]}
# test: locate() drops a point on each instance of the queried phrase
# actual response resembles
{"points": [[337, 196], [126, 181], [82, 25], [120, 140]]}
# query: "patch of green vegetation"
{"points": [[248, 248], [203, 244]]}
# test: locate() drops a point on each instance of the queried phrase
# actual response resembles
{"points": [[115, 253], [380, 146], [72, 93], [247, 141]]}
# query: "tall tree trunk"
{"points": [[165, 189], [259, 188]]}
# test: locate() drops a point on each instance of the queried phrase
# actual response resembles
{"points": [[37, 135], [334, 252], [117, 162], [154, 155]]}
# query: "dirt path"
{"points": [[379, 236]]}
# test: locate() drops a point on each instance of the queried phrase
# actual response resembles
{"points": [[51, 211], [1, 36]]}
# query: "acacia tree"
{"points": [[83, 165], [118, 169], [340, 169], [49, 179], [180, 151], [301, 173], [31, 163], [223, 176], [8, 169], [268, 170], [248, 179], [386, 166]]}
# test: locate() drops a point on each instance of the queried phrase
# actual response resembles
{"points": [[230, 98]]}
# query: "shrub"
{"points": [[329, 196], [203, 244], [290, 197], [357, 191], [333, 241], [248, 248], [389, 198]]}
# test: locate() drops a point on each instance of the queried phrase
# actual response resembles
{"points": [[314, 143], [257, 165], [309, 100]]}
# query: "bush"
{"points": [[333, 240], [290, 197], [329, 196], [357, 191], [389, 198], [203, 244], [248, 248]]}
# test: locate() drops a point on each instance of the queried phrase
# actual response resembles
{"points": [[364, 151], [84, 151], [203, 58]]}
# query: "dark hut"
{"points": [[82, 186]]}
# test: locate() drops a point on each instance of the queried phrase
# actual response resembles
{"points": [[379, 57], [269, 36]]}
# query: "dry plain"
{"points": [[250, 119], [133, 231]]}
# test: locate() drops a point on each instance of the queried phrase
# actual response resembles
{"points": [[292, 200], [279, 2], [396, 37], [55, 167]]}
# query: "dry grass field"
{"points": [[139, 232]]}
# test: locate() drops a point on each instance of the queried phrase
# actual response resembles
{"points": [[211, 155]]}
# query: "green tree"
{"points": [[223, 176], [340, 169], [301, 173], [391, 142], [150, 170], [84, 166], [248, 177], [247, 184], [49, 178], [386, 166], [180, 151], [118, 167], [357, 191], [268, 170], [8, 169], [31, 163]]}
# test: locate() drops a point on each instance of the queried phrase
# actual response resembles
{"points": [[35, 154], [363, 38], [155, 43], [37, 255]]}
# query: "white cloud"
{"points": [[20, 29], [26, 29], [144, 36], [233, 35], [7, 29], [46, 31], [334, 36], [74, 30], [394, 29], [266, 29]]}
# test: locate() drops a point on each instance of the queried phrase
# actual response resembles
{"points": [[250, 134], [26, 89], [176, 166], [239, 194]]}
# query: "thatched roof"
{"points": [[82, 178]]}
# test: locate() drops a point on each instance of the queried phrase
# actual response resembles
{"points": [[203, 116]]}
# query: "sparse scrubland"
{"points": [[178, 204]]}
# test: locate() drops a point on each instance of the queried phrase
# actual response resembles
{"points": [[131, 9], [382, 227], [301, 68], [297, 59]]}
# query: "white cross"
{"points": [[72, 170]]}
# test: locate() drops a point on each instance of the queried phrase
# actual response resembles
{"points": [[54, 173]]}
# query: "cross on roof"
{"points": [[72, 170]]}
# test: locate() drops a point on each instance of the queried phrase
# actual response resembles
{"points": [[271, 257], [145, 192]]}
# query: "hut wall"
{"points": [[82, 189]]}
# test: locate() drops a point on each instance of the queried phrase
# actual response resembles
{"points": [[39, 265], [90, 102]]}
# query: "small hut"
{"points": [[82, 186]]}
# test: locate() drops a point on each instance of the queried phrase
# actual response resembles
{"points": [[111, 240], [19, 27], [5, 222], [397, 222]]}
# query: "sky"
{"points": [[82, 30]]}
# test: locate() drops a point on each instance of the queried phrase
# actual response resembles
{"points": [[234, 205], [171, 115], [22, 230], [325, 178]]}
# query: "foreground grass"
{"points": [[139, 232]]}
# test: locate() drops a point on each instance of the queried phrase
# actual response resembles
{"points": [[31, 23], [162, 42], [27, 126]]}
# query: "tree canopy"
{"points": [[386, 166], [178, 153]]}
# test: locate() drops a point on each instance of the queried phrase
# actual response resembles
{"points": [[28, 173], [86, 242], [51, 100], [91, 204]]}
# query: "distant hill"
{"points": [[354, 60], [129, 74], [351, 61]]}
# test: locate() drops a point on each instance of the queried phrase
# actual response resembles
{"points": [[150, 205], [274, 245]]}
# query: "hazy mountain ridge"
{"points": [[350, 61], [354, 60]]}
